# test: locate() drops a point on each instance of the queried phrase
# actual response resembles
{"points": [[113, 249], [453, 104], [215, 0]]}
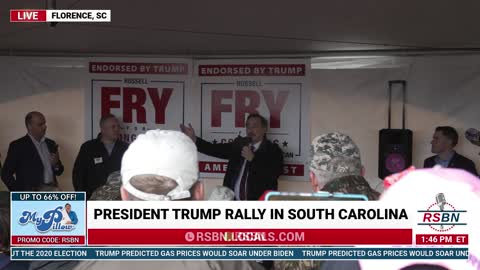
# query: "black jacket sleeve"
{"points": [[471, 168], [79, 169], [10, 166], [219, 150], [429, 162]]}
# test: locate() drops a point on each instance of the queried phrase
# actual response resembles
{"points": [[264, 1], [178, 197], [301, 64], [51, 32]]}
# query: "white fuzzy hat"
{"points": [[166, 153], [221, 193], [415, 189]]}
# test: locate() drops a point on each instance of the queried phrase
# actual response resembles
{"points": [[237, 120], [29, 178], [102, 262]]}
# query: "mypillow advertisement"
{"points": [[48, 218]]}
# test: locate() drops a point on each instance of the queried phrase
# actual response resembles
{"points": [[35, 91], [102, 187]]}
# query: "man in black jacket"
{"points": [[254, 163], [444, 140], [99, 157], [33, 159]]}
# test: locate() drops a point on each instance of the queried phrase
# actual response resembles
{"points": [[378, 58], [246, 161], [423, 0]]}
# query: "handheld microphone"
{"points": [[55, 149], [247, 141], [440, 198]]}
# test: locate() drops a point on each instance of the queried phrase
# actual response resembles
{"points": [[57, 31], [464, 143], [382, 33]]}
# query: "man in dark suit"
{"points": [[444, 140], [254, 163], [100, 157], [33, 159]]}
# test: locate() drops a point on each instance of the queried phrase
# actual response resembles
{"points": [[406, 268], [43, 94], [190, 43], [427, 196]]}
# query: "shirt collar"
{"points": [[35, 140], [256, 145], [99, 137], [450, 156]]}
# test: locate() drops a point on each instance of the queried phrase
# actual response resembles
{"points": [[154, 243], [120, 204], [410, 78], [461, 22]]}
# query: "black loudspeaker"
{"points": [[395, 145], [395, 151]]}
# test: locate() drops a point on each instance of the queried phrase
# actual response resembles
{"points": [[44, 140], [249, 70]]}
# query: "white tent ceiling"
{"points": [[246, 27]]}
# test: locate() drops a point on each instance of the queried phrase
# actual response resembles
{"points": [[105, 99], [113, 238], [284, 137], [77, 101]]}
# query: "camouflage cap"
{"points": [[111, 190], [335, 153], [352, 184]]}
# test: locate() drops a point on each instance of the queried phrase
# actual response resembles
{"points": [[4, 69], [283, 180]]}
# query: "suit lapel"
{"points": [[262, 146], [33, 149], [452, 162], [116, 149], [50, 145]]}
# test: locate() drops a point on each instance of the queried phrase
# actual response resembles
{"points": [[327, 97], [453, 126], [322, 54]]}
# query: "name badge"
{"points": [[98, 160]]}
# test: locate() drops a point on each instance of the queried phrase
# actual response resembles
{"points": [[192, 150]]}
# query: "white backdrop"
{"points": [[441, 91]]}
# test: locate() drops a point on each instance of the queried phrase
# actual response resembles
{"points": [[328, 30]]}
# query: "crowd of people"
{"points": [[163, 165]]}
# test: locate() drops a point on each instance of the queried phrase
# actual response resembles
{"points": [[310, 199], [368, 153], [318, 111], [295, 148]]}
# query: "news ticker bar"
{"points": [[250, 253], [46, 15]]}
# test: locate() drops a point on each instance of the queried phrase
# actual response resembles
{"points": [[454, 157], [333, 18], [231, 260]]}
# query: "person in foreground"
{"points": [[162, 165], [422, 187], [336, 166]]}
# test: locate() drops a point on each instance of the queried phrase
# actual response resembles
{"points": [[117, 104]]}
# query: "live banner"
{"points": [[278, 89], [143, 93]]}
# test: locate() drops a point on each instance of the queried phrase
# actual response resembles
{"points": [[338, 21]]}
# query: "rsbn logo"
{"points": [[53, 220], [443, 219]]}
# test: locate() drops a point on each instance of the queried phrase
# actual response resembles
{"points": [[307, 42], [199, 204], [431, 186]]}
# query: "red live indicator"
{"points": [[28, 15], [442, 239]]}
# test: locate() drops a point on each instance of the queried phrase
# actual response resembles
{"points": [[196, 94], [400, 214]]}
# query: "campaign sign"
{"points": [[48, 218], [278, 89], [143, 95]]}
